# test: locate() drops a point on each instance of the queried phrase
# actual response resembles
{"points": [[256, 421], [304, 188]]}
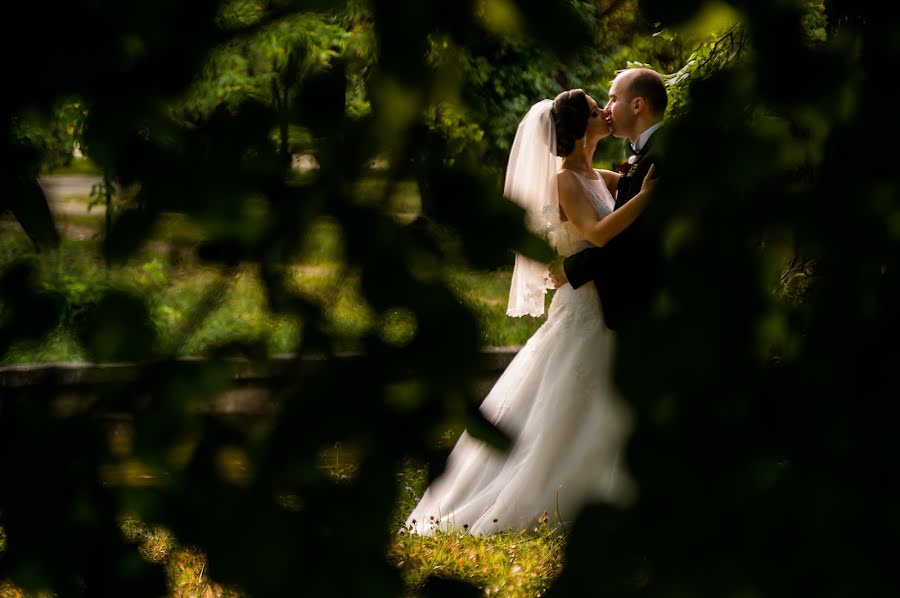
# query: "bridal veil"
{"points": [[531, 184]]}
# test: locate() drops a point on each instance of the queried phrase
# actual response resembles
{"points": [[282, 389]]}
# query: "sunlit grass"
{"points": [[487, 294], [59, 345], [186, 568], [514, 565], [520, 565]]}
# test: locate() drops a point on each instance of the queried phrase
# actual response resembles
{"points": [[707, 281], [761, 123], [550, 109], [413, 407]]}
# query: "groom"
{"points": [[626, 269]]}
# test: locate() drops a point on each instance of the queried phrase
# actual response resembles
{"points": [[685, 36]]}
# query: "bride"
{"points": [[556, 398]]}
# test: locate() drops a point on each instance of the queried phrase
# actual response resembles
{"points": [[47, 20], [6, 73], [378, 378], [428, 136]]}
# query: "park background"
{"points": [[275, 182]]}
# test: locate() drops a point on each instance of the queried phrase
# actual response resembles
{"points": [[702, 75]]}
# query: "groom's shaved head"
{"points": [[646, 83]]}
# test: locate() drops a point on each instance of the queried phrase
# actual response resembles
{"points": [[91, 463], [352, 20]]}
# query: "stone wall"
{"points": [[250, 392]]}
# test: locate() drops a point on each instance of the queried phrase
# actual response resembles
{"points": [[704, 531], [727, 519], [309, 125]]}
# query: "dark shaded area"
{"points": [[765, 448]]}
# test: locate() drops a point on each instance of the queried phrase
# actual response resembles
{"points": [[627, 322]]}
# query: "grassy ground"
{"points": [[167, 272], [516, 565]]}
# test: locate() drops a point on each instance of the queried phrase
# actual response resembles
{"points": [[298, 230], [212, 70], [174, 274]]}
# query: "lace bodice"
{"points": [[565, 238]]}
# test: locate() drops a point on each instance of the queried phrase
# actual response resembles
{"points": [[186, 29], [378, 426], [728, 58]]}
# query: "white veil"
{"points": [[531, 183]]}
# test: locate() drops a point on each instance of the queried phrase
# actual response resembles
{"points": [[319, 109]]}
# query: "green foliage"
{"points": [[55, 132], [815, 21], [505, 71], [173, 283], [261, 66]]}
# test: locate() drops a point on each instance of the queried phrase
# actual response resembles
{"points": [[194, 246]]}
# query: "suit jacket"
{"points": [[626, 270]]}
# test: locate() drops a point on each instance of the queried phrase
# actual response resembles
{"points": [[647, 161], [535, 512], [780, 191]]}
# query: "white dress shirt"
{"points": [[643, 137]]}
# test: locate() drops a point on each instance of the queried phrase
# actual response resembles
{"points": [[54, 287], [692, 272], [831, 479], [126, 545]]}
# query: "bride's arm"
{"points": [[584, 217], [611, 179]]}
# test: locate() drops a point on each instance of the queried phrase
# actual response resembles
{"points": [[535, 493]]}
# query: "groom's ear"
{"points": [[637, 104]]}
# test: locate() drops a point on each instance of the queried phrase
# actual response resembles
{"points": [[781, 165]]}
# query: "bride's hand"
{"points": [[649, 181]]}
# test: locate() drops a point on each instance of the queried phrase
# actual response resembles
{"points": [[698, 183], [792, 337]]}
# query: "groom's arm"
{"points": [[584, 266]]}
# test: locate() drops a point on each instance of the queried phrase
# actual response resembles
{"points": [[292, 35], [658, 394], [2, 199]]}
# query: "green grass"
{"points": [[513, 565], [78, 166], [167, 273], [508, 564], [487, 293]]}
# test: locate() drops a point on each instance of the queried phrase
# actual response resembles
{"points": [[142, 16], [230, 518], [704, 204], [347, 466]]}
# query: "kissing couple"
{"points": [[557, 398]]}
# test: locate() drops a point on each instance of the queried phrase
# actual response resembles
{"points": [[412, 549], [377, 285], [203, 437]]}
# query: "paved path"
{"points": [[57, 187]]}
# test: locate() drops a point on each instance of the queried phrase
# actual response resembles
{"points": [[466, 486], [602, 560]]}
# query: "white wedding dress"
{"points": [[557, 401]]}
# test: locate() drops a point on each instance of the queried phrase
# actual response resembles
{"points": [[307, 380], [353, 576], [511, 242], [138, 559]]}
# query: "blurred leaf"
{"points": [[26, 311], [127, 234], [437, 587], [118, 328]]}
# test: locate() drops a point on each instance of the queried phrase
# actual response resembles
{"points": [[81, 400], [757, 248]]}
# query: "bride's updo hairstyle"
{"points": [[570, 116]]}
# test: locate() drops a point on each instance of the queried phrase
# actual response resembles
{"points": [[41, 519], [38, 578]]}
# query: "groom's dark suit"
{"points": [[626, 270]]}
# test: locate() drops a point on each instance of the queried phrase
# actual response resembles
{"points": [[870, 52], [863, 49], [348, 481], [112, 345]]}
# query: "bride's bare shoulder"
{"points": [[565, 178]]}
